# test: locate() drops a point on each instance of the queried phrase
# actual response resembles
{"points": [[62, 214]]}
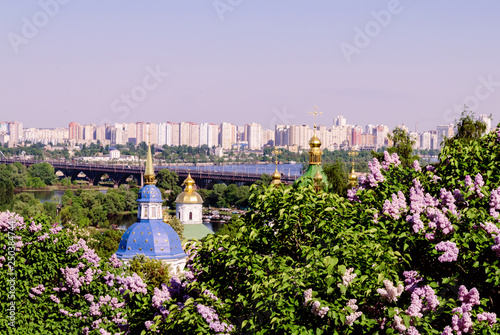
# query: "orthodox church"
{"points": [[315, 170], [189, 206], [150, 235]]}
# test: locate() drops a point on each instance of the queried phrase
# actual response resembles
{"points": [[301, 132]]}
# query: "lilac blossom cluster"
{"points": [[349, 319], [159, 297], [435, 211], [211, 317], [412, 278], [390, 159], [33, 228], [495, 203], [494, 231], [416, 166], [391, 292], [321, 312], [348, 277], [475, 186], [5, 221], [423, 299], [395, 208], [461, 321], [450, 251], [88, 253], [115, 262], [375, 176], [398, 323], [351, 194], [38, 290], [133, 283]]}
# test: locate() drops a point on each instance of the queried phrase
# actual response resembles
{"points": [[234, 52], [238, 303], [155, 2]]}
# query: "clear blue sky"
{"points": [[248, 61]]}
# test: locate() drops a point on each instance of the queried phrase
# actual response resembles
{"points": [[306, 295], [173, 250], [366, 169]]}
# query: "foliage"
{"points": [[337, 177], [402, 145], [468, 128], [169, 180], [105, 243], [44, 172], [411, 246], [154, 272]]}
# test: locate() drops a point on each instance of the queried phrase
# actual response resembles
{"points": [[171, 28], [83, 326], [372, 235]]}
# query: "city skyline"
{"points": [[387, 62]]}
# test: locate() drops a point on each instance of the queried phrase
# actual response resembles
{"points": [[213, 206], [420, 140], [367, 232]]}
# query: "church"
{"points": [[151, 236]]}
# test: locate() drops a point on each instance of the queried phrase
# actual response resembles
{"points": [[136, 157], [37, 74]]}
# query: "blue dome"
{"points": [[149, 193], [153, 238]]}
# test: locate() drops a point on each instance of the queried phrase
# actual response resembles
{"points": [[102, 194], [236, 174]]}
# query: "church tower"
{"points": [[151, 236]]}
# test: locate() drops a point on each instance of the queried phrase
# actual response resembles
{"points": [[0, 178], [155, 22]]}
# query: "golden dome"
{"points": [[276, 177], [314, 142], [318, 177], [189, 196]]}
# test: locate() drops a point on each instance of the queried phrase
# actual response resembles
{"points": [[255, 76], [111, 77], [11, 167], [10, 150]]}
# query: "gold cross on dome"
{"points": [[353, 153], [314, 115], [276, 152]]}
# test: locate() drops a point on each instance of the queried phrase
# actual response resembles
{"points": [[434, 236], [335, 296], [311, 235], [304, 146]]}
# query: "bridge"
{"points": [[120, 173]]}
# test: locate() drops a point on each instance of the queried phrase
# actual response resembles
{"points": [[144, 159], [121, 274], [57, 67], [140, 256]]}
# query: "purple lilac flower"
{"points": [[447, 331], [395, 208], [115, 261], [321, 312], [390, 159], [351, 195], [450, 251], [348, 277], [72, 278], [462, 324], [416, 166], [375, 176], [132, 283], [94, 309], [398, 323], [33, 228], [412, 331], [412, 279], [211, 317], [307, 296], [5, 219], [108, 279], [468, 297], [354, 315], [160, 296], [390, 293], [38, 290], [55, 299], [495, 203], [491, 318], [55, 230], [210, 295]]}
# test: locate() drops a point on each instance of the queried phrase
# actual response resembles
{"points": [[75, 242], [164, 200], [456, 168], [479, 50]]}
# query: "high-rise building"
{"points": [[339, 121], [184, 133], [425, 140], [254, 135], [443, 132], [226, 130], [175, 134], [213, 135], [74, 131], [194, 135], [281, 134], [204, 134]]}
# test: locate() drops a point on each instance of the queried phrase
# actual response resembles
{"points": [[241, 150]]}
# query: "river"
{"points": [[288, 169]]}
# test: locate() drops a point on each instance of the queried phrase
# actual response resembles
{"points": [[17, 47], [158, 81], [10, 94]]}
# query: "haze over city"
{"points": [[378, 62]]}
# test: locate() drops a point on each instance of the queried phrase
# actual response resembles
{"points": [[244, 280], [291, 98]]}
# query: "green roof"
{"points": [[309, 173], [196, 231]]}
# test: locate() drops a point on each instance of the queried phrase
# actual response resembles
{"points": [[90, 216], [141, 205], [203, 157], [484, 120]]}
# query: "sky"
{"points": [[241, 61]]}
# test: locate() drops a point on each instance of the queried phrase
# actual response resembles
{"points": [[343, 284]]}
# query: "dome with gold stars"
{"points": [[150, 236]]}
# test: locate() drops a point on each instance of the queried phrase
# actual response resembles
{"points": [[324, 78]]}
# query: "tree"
{"points": [[44, 171], [468, 128], [175, 223], [337, 177], [6, 193], [167, 179], [402, 145]]}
